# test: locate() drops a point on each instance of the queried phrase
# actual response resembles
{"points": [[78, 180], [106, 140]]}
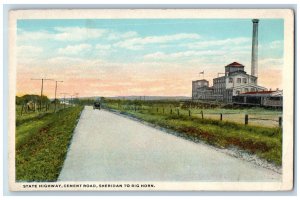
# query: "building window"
{"points": [[246, 90], [237, 92], [238, 80], [230, 80], [244, 80], [252, 90], [252, 80]]}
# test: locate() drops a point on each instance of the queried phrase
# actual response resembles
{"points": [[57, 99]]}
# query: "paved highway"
{"points": [[109, 147]]}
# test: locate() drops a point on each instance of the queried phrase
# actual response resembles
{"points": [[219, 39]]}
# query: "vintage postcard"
{"points": [[151, 100]]}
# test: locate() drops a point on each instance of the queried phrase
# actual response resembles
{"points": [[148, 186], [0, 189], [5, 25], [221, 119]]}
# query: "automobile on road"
{"points": [[97, 105]]}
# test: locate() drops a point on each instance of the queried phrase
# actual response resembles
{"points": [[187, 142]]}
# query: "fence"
{"points": [[36, 108], [246, 118], [232, 117]]}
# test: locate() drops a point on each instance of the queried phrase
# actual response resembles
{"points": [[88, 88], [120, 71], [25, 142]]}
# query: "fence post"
{"points": [[189, 113], [202, 114], [280, 121], [246, 119], [171, 111], [177, 111], [221, 116]]}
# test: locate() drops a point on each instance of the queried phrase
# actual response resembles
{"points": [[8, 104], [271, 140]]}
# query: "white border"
{"points": [[288, 74]]}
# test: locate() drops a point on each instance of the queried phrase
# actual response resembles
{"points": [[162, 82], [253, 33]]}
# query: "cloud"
{"points": [[182, 54], [75, 49], [110, 78], [28, 51], [84, 67], [78, 33], [62, 34], [138, 43], [29, 36], [117, 35], [103, 46], [74, 34], [267, 63], [276, 44], [226, 43]]}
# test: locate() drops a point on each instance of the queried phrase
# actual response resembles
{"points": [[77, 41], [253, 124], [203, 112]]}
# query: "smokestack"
{"points": [[254, 48]]}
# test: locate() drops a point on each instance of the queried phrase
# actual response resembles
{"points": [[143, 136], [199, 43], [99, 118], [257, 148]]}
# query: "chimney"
{"points": [[254, 56]]}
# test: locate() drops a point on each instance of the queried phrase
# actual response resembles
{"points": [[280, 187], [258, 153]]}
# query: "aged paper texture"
{"points": [[138, 100]]}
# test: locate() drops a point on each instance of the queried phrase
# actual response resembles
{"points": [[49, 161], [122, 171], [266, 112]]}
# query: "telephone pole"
{"points": [[76, 95], [64, 99], [72, 98], [43, 79], [55, 95]]}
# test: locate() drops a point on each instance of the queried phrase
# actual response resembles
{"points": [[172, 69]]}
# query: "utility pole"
{"points": [[64, 99], [43, 79], [72, 98], [55, 94], [76, 95]]}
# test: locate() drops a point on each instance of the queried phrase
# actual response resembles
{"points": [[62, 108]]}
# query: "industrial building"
{"points": [[236, 86], [263, 98], [235, 81]]}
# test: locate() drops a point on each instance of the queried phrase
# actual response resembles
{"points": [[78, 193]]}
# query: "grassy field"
{"points": [[257, 116], [265, 142], [42, 140]]}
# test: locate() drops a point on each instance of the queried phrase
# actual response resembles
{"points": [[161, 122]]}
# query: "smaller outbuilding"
{"points": [[260, 98]]}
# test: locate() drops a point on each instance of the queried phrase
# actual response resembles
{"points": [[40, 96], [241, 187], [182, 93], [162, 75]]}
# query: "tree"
{"points": [[31, 97]]}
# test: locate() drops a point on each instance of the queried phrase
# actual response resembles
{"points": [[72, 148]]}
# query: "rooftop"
{"points": [[234, 64], [200, 80], [260, 92]]}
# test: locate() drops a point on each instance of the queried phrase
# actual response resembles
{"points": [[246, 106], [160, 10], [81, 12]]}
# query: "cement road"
{"points": [[110, 147]]}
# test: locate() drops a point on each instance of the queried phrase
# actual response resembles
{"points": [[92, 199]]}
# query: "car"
{"points": [[97, 105]]}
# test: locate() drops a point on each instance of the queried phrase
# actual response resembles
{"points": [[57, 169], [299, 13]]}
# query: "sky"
{"points": [[155, 57]]}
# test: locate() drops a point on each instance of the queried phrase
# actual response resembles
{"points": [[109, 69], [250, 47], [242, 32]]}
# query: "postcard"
{"points": [[151, 100]]}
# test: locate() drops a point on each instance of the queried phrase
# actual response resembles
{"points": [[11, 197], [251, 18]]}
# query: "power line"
{"points": [[64, 98], [55, 94], [43, 79]]}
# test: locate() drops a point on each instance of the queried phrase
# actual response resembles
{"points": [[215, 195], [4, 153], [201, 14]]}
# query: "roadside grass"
{"points": [[42, 142], [257, 116], [265, 142]]}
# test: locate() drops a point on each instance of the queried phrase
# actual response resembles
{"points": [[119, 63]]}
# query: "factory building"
{"points": [[234, 82], [201, 90], [236, 86]]}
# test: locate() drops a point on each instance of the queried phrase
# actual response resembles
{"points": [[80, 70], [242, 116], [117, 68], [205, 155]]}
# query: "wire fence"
{"points": [[261, 119], [35, 108]]}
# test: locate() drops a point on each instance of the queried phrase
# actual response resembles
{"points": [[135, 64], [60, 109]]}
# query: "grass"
{"points": [[42, 141], [265, 142], [257, 116]]}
